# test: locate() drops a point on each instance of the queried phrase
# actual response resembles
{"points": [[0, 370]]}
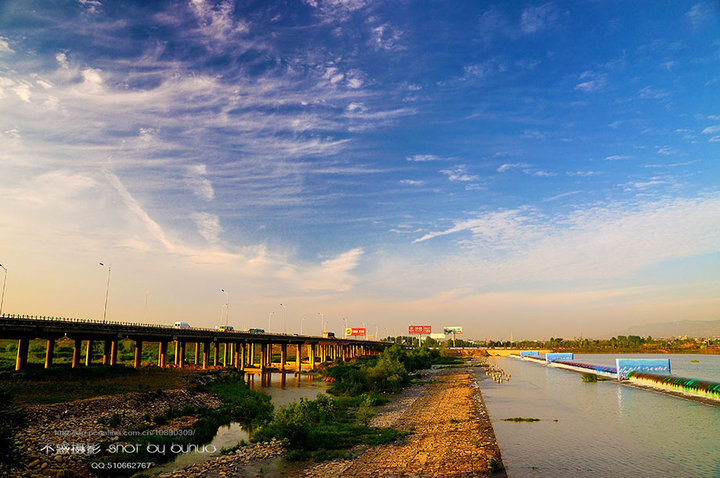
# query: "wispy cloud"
{"points": [[618, 157], [421, 158], [537, 18], [5, 46], [459, 174], [508, 166], [592, 82], [700, 14]]}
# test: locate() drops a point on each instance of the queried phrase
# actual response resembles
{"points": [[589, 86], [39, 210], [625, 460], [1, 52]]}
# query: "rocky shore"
{"points": [[59, 436]]}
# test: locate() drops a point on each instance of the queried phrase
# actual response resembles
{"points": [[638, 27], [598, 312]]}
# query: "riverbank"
{"points": [[60, 437], [450, 436]]}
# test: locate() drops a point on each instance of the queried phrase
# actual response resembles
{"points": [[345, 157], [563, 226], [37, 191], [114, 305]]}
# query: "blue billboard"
{"points": [[551, 357], [529, 353], [641, 365]]}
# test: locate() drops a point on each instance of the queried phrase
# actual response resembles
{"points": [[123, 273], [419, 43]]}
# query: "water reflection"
{"points": [[282, 388]]}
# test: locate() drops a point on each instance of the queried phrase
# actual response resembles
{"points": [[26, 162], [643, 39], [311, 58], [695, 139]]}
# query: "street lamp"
{"points": [[2, 301], [284, 318], [107, 291], [227, 306]]}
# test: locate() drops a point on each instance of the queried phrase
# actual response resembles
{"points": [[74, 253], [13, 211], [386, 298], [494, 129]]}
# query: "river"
{"points": [[283, 389], [603, 429]]}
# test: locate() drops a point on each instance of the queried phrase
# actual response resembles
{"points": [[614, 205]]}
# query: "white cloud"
{"points": [[711, 129], [508, 166], [596, 242], [197, 182], [652, 93], [665, 150], [538, 18], [592, 82], [412, 182], [5, 46], [23, 92], [386, 37], [714, 139], [62, 60], [420, 158], [208, 225], [217, 22], [699, 14], [618, 157], [459, 174], [337, 10]]}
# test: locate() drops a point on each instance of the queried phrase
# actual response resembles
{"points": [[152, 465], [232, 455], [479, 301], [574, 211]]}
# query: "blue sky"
{"points": [[546, 168]]}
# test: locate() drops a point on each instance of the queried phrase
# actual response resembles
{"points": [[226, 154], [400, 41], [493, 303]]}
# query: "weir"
{"points": [[692, 386], [641, 371]]}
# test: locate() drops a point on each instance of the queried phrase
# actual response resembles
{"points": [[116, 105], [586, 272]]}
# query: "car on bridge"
{"points": [[181, 325], [224, 328]]}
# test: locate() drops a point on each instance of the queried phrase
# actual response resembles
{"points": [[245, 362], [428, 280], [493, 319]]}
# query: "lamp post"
{"points": [[227, 306], [2, 301], [107, 291], [284, 318]]}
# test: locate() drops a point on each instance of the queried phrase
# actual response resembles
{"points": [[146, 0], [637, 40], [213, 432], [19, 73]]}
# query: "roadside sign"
{"points": [[351, 331], [420, 329]]}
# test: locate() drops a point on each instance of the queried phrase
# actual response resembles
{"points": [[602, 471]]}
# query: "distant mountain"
{"points": [[691, 328]]}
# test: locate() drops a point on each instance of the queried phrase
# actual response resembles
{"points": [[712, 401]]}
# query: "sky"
{"points": [[530, 168]]}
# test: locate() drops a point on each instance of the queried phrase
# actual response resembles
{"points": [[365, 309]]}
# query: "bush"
{"points": [[389, 375]]}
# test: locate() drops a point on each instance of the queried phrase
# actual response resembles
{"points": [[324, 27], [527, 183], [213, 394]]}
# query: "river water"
{"points": [[603, 429], [283, 389]]}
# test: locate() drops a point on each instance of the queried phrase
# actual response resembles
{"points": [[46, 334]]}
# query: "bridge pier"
{"points": [[298, 358], [181, 357], [242, 350], [22, 353], [113, 351], [162, 353], [311, 356], [88, 353], [283, 357], [49, 351], [206, 351], [197, 353], [138, 353], [76, 353]]}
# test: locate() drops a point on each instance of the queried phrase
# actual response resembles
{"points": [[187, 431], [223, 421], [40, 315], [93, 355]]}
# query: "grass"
{"points": [[521, 419], [324, 428]]}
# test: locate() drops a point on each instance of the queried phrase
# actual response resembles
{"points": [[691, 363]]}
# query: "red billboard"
{"points": [[420, 329], [355, 331]]}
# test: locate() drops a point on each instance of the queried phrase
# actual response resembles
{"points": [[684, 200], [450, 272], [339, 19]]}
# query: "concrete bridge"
{"points": [[210, 347]]}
